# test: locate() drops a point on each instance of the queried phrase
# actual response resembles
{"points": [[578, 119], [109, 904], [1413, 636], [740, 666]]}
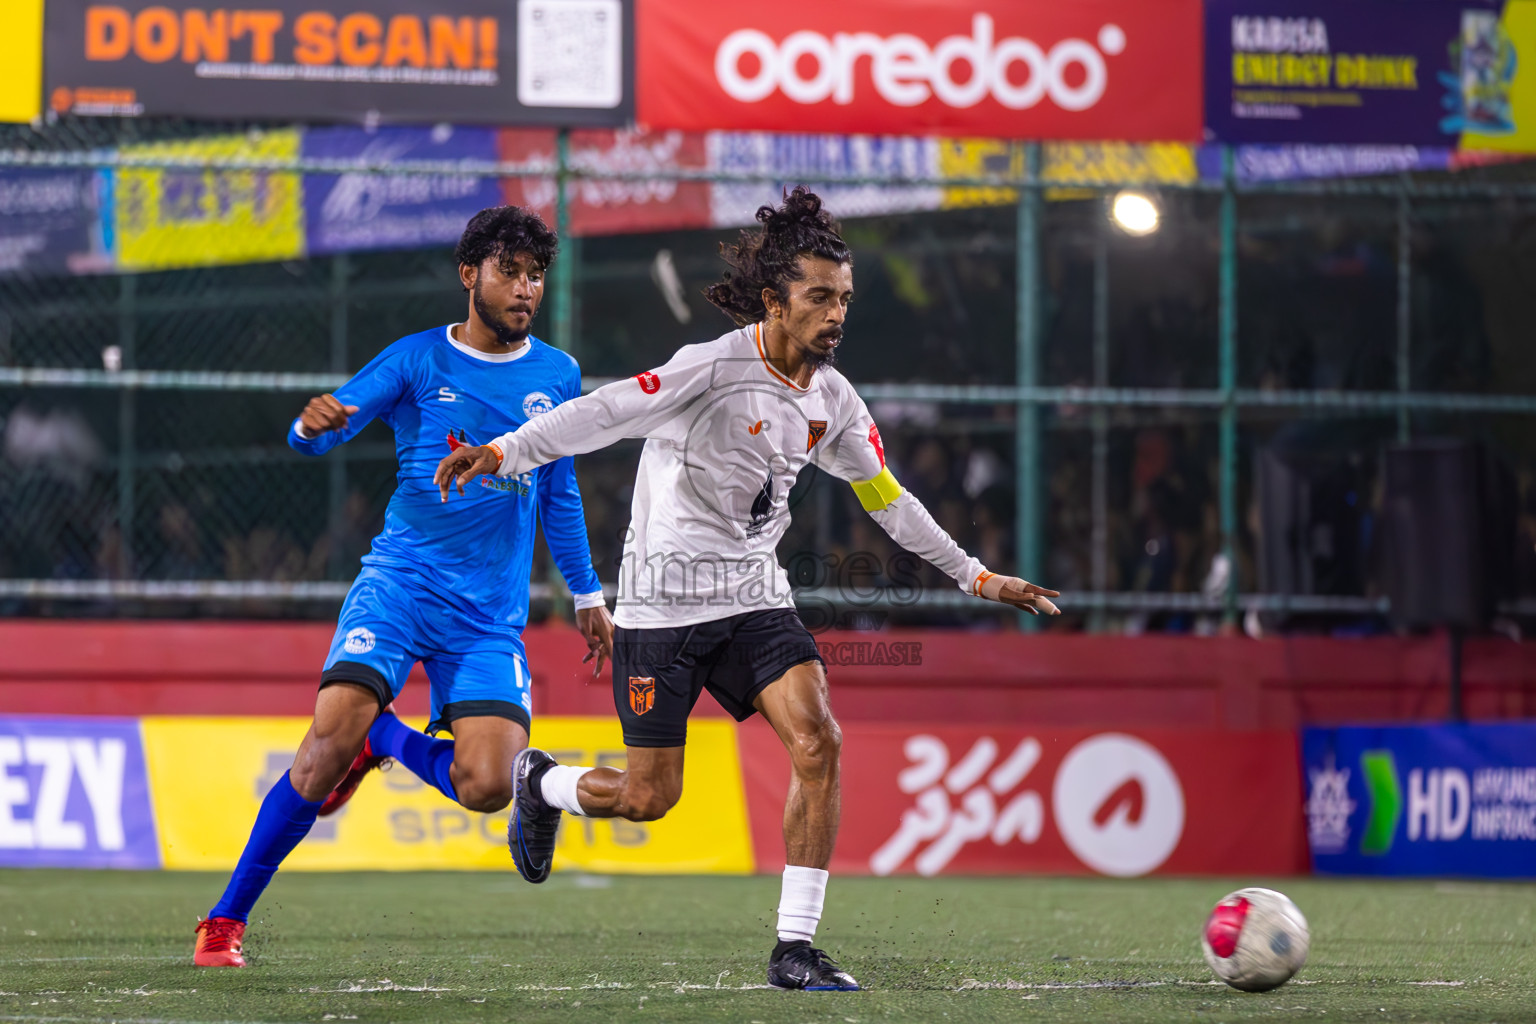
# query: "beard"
{"points": [[817, 358], [496, 320]]}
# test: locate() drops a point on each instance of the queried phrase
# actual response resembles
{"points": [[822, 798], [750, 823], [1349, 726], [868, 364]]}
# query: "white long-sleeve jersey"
{"points": [[726, 435]]}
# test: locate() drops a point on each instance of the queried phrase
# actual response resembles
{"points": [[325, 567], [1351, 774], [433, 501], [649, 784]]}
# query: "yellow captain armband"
{"points": [[878, 493]]}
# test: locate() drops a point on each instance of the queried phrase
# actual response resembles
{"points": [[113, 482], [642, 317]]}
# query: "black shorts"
{"points": [[659, 673]]}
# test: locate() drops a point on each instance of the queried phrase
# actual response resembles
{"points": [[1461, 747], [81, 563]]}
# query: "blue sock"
{"points": [[284, 819], [430, 759]]}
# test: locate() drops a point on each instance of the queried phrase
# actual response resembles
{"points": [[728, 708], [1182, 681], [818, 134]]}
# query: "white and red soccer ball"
{"points": [[1255, 939]]}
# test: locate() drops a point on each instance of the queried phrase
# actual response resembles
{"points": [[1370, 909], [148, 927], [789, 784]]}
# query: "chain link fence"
{"points": [[1076, 404]]}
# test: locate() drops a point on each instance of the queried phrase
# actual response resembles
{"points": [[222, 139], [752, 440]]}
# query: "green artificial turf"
{"points": [[77, 946]]}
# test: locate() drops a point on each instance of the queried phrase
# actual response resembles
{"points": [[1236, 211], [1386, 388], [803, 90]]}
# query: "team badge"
{"points": [[874, 439], [359, 641], [537, 404], [642, 693], [818, 430], [649, 382]]}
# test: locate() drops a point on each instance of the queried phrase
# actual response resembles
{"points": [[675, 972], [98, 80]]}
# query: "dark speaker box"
{"points": [[1310, 507], [1448, 533]]}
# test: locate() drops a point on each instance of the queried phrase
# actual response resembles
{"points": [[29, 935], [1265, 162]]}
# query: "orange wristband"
{"points": [[500, 456], [976, 587]]}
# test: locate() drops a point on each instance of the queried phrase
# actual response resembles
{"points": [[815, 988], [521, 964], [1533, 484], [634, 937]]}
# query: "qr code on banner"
{"points": [[570, 53]]}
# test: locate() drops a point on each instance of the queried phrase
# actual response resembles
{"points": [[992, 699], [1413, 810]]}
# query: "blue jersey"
{"points": [[474, 550]]}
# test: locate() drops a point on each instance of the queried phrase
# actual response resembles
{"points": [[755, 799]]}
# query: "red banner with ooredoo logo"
{"points": [[1050, 801], [1090, 69]]}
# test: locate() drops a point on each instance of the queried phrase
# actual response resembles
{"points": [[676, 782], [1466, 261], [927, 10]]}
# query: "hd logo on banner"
{"points": [[1422, 800]]}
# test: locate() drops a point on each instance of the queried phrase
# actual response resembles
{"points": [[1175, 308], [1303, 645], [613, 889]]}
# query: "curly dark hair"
{"points": [[501, 232], [769, 257]]}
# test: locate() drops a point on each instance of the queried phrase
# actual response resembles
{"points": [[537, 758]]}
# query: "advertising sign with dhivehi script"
{"points": [[471, 61]]}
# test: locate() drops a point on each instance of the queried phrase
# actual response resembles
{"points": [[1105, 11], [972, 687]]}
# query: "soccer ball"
{"points": [[1255, 939]]}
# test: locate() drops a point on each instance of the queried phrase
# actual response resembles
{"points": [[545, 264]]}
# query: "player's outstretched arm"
{"points": [[330, 420], [633, 407], [463, 464], [1019, 593], [322, 425], [858, 456]]}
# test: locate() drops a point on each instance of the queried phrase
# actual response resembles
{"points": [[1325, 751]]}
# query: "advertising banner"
{"points": [[957, 800], [796, 159], [356, 211], [1412, 72], [1422, 800], [1292, 162], [477, 61], [396, 822], [1094, 69], [21, 61], [50, 222], [74, 794], [611, 206], [196, 216], [1509, 78]]}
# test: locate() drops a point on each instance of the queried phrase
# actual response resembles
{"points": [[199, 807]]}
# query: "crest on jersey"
{"points": [[642, 693], [359, 641], [537, 404], [818, 430]]}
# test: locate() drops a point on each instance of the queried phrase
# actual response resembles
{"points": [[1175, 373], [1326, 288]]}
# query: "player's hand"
{"points": [[462, 465], [1020, 594], [324, 413], [597, 627]]}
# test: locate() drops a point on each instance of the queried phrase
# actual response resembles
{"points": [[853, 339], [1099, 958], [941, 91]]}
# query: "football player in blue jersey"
{"points": [[444, 584]]}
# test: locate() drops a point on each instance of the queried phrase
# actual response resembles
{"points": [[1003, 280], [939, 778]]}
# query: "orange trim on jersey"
{"points": [[758, 337], [976, 587]]}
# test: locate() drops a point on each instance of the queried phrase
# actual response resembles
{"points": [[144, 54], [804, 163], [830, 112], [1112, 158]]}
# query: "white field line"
{"points": [[971, 984], [382, 985]]}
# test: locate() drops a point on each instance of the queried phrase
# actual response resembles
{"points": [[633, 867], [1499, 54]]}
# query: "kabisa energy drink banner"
{"points": [[1411, 72]]}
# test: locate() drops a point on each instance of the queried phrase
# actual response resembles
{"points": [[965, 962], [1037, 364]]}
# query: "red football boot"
{"points": [[218, 942], [365, 762]]}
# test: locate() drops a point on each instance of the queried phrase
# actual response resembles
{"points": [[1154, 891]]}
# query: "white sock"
{"points": [[805, 890], [559, 787]]}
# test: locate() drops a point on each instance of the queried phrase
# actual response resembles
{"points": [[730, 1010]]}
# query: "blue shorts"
{"points": [[390, 621]]}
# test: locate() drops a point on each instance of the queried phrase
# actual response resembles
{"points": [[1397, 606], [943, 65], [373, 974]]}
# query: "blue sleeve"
{"points": [[375, 389], [561, 515]]}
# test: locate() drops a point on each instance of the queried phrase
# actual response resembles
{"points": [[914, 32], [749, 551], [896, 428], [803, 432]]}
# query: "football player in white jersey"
{"points": [[703, 603]]}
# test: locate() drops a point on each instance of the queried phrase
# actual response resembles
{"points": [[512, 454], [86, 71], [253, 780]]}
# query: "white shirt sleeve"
{"points": [[633, 407], [592, 600], [858, 456]]}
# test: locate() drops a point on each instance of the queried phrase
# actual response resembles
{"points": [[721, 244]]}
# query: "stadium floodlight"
{"points": [[1134, 213]]}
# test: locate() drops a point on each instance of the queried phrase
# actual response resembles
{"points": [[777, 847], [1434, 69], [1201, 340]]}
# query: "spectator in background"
{"points": [[181, 545]]}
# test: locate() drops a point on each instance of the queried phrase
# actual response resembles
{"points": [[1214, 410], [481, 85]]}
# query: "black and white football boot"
{"points": [[532, 827], [801, 965]]}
